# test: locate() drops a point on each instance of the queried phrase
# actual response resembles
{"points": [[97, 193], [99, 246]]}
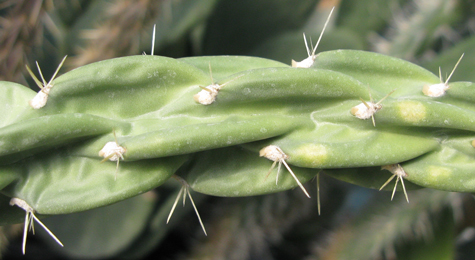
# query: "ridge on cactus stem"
{"points": [[439, 89], [308, 62], [366, 110], [397, 171], [114, 152], [185, 189], [274, 153], [29, 224], [208, 94], [41, 97]]}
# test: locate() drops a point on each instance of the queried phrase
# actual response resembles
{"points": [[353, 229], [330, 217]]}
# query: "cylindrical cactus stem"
{"points": [[306, 113]]}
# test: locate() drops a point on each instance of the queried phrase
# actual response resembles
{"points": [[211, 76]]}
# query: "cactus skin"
{"points": [[240, 168], [147, 101]]}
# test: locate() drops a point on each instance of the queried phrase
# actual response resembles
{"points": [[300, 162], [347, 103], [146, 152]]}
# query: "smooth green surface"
{"points": [[45, 182], [14, 99], [224, 66], [39, 134], [381, 73], [123, 88], [451, 167], [241, 173]]}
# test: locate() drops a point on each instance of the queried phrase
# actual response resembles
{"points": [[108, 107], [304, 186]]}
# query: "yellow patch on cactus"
{"points": [[312, 155], [411, 111], [439, 174]]}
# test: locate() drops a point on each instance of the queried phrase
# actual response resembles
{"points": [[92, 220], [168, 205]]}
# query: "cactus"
{"points": [[144, 105], [114, 132]]}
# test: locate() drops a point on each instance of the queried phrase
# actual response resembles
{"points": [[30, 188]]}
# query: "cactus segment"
{"points": [[199, 136], [398, 172], [448, 168], [221, 125], [308, 62], [13, 98], [226, 66], [6, 178], [290, 86], [240, 173], [29, 224], [377, 71], [424, 113], [461, 94], [149, 99], [438, 90], [384, 73], [123, 88], [39, 134], [334, 144], [93, 186]]}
